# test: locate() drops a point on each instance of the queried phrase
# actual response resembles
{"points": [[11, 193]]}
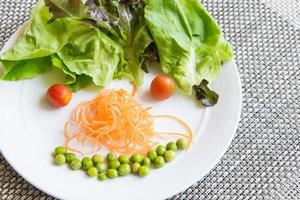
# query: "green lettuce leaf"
{"points": [[81, 82], [40, 38], [74, 81], [139, 41], [67, 8], [58, 63], [189, 42], [92, 53], [127, 19], [74, 45], [25, 69], [122, 21]]}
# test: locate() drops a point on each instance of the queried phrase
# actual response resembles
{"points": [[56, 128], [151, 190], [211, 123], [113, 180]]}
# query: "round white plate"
{"points": [[30, 130]]}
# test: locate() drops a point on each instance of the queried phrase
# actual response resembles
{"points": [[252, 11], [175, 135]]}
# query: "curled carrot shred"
{"points": [[116, 121], [134, 90]]}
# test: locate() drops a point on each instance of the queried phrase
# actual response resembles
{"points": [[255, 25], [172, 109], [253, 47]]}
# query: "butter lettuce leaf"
{"points": [[25, 69], [92, 53], [189, 41], [74, 81], [58, 63], [69, 43], [40, 38], [67, 8], [82, 81]]}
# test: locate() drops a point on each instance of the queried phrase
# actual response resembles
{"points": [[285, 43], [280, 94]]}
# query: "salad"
{"points": [[96, 41]]}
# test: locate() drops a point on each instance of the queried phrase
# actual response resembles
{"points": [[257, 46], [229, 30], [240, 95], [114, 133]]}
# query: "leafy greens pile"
{"points": [[99, 40]]}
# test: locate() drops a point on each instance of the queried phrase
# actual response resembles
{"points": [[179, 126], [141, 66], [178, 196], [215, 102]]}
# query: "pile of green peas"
{"points": [[111, 166]]}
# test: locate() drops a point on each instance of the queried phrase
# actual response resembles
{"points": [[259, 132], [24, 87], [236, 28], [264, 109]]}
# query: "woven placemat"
{"points": [[288, 9], [263, 161]]}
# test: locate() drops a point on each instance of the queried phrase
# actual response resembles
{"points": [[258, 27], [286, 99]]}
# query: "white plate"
{"points": [[30, 129]]}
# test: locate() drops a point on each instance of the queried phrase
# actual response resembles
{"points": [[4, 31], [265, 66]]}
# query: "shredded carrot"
{"points": [[134, 90], [116, 121], [190, 134]]}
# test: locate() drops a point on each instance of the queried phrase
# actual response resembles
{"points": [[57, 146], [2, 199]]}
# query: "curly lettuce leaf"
{"points": [[136, 37], [149, 57], [126, 19], [135, 51], [207, 96], [189, 42]]}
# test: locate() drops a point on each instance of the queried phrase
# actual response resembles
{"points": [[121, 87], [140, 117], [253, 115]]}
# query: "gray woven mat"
{"points": [[263, 161]]}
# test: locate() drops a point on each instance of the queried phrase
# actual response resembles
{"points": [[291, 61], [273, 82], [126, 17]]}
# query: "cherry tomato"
{"points": [[162, 87], [59, 95]]}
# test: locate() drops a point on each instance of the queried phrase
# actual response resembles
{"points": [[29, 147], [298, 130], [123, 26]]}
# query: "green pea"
{"points": [[60, 159], [159, 162], [87, 163], [70, 157], [92, 171], [110, 157], [182, 143], [160, 150], [136, 158], [75, 164], [143, 171], [124, 169], [101, 167], [114, 164], [97, 159], [170, 155], [60, 150], [146, 161], [102, 176], [124, 158], [152, 155], [112, 173], [135, 167], [172, 146]]}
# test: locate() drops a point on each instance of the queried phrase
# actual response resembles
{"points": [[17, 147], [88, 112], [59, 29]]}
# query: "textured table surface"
{"points": [[263, 161]]}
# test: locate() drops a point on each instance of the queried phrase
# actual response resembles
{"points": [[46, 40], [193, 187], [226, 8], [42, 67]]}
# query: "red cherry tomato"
{"points": [[59, 95], [162, 87]]}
